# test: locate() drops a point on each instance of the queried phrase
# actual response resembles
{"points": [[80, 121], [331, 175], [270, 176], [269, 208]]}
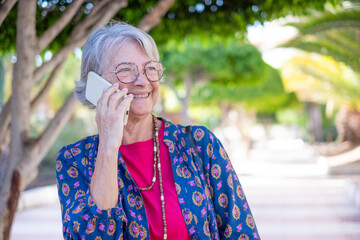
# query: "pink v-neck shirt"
{"points": [[139, 160]]}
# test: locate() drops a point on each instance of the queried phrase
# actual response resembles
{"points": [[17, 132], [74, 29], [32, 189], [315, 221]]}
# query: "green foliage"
{"points": [[230, 72], [328, 125], [200, 18], [264, 94], [300, 117], [321, 79], [185, 18], [64, 83], [331, 34], [325, 79], [8, 32], [220, 63], [206, 115], [292, 116]]}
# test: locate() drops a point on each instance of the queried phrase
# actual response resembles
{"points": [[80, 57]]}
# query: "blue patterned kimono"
{"points": [[211, 198]]}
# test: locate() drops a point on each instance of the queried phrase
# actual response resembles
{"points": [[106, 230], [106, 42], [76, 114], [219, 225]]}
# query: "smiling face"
{"points": [[145, 92]]}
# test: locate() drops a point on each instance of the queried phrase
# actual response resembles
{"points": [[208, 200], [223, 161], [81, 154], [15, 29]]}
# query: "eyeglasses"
{"points": [[128, 72]]}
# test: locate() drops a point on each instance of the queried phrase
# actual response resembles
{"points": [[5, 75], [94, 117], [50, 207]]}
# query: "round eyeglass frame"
{"points": [[137, 71]]}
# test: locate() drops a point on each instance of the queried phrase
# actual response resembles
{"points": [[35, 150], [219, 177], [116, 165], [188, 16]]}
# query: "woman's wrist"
{"points": [[108, 149]]}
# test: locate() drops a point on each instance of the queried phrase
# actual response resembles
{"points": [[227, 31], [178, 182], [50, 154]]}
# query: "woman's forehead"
{"points": [[130, 51]]}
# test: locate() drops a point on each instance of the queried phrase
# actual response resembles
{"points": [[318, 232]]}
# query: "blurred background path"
{"points": [[299, 208], [288, 190]]}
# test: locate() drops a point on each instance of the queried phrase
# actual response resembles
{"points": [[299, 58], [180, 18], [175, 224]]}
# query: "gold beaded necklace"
{"points": [[157, 162]]}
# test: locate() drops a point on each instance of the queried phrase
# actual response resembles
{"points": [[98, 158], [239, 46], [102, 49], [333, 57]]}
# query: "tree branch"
{"points": [[101, 10], [36, 101], [60, 56], [107, 14], [91, 18], [153, 18], [41, 146], [48, 36], [79, 35], [5, 8]]}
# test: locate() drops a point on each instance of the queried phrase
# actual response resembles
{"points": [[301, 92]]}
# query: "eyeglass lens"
{"points": [[128, 72]]}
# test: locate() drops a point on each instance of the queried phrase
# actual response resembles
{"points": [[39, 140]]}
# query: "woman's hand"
{"points": [[110, 114]]}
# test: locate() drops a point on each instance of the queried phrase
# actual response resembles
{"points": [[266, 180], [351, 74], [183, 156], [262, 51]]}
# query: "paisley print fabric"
{"points": [[212, 201]]}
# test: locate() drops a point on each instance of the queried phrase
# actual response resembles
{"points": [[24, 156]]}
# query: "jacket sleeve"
{"points": [[81, 217], [234, 218]]}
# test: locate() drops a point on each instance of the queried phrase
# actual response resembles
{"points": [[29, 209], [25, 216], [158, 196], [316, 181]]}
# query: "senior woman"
{"points": [[144, 180]]}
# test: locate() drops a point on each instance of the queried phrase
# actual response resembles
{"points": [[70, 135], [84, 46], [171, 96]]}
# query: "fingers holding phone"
{"points": [[112, 108], [119, 103], [110, 115]]}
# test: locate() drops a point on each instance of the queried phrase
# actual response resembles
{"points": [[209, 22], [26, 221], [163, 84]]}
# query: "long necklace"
{"points": [[156, 158], [157, 162]]}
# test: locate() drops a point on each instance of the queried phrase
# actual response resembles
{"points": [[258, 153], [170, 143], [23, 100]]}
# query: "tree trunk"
{"points": [[315, 124], [20, 106], [12, 202], [348, 125], [237, 116], [246, 119]]}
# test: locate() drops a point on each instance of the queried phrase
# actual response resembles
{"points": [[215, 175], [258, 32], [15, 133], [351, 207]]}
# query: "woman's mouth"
{"points": [[145, 95]]}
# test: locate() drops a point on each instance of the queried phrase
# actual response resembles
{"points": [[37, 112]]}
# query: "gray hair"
{"points": [[100, 45]]}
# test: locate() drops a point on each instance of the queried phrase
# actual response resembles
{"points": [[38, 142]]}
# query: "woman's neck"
{"points": [[138, 129]]}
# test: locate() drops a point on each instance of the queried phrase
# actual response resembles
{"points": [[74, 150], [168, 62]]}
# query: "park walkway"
{"points": [[298, 208], [289, 194]]}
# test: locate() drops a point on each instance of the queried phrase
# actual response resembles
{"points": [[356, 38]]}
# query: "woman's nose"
{"points": [[141, 79]]}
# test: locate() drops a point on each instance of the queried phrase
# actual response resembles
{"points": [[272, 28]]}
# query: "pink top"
{"points": [[139, 160]]}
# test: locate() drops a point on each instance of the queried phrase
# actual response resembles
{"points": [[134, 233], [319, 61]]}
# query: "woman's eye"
{"points": [[125, 70], [151, 68]]}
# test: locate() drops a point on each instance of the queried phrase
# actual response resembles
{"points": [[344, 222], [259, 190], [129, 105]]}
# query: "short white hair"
{"points": [[99, 46]]}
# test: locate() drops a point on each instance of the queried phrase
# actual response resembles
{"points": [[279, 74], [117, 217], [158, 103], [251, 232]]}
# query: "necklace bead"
{"points": [[158, 165]]}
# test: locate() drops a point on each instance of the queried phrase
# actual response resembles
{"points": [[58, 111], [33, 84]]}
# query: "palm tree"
{"points": [[337, 35]]}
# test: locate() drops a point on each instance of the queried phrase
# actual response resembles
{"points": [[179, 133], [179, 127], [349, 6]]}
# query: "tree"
{"points": [[228, 18], [195, 65], [334, 34], [229, 76], [320, 79], [29, 29], [182, 19], [25, 153]]}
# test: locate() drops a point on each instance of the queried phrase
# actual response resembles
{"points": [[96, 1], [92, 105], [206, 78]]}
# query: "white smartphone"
{"points": [[95, 86]]}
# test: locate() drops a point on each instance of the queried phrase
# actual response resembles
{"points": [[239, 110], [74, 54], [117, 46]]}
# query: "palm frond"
{"points": [[332, 34], [329, 21]]}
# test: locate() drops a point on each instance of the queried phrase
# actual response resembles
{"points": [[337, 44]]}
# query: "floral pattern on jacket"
{"points": [[211, 198]]}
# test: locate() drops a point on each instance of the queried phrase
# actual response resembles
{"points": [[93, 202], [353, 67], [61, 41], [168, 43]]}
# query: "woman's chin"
{"points": [[141, 108], [140, 112]]}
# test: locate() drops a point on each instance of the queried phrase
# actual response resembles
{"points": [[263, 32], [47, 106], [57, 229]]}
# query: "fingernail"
{"points": [[124, 89]]}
